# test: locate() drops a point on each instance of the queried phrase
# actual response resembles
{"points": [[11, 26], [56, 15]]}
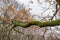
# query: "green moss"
{"points": [[34, 23], [52, 23], [22, 24], [41, 24]]}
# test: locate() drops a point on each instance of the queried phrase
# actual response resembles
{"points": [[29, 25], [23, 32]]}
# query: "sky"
{"points": [[37, 8]]}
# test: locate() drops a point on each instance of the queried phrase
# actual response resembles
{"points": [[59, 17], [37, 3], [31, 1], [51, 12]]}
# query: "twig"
{"points": [[57, 9]]}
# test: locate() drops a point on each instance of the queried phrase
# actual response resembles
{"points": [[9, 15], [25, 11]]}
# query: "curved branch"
{"points": [[38, 23]]}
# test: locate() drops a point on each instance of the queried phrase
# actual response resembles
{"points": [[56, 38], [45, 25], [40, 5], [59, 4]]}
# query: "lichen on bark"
{"points": [[38, 23]]}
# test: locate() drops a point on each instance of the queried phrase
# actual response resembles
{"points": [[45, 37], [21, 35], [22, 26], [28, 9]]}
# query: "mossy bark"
{"points": [[38, 23]]}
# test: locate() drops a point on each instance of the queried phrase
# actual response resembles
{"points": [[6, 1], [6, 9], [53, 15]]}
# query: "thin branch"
{"points": [[57, 9]]}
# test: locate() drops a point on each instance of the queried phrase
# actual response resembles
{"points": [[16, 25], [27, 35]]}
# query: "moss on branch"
{"points": [[41, 24]]}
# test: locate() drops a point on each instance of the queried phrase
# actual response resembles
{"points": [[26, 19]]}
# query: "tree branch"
{"points": [[38, 23], [57, 9]]}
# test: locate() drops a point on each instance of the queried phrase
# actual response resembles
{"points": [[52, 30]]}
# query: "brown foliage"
{"points": [[11, 8], [23, 15], [20, 15], [5, 19]]}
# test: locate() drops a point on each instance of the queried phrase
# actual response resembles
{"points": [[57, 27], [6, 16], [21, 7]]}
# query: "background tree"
{"points": [[10, 10]]}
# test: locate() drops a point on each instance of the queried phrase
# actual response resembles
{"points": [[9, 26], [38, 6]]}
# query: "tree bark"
{"points": [[38, 23]]}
